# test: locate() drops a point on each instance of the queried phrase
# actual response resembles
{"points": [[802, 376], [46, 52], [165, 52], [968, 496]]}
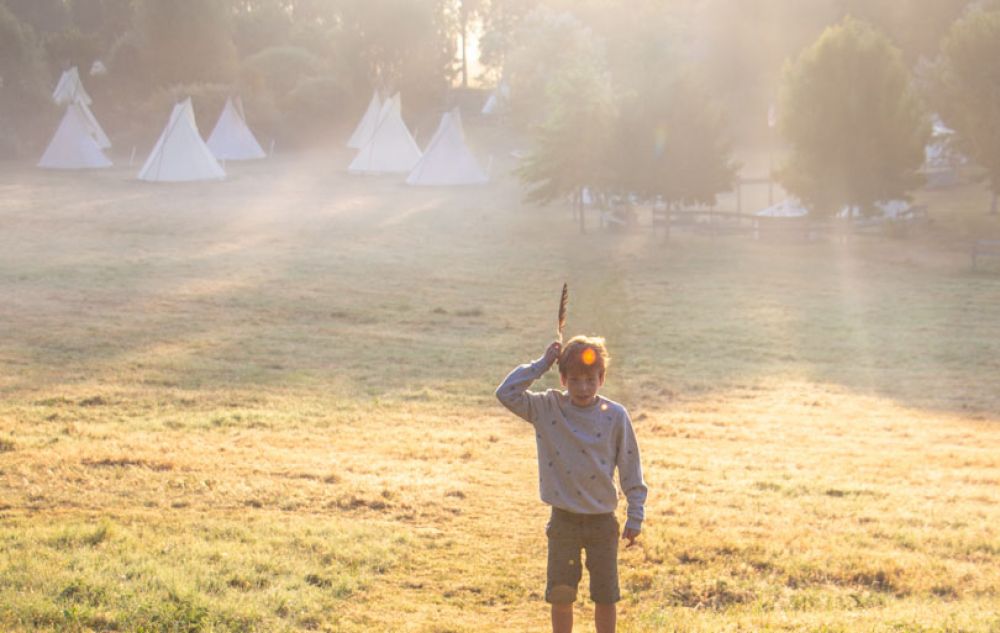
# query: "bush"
{"points": [[314, 110], [279, 69]]}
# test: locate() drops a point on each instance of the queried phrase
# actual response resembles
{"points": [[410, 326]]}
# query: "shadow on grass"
{"points": [[305, 279]]}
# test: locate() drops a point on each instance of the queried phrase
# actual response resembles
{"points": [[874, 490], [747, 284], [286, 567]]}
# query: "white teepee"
{"points": [[70, 88], [73, 146], [180, 155], [95, 128], [231, 139], [447, 159], [366, 126], [391, 149], [498, 99]]}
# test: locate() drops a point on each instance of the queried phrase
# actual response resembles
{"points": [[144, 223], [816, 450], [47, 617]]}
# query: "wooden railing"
{"points": [[717, 223]]}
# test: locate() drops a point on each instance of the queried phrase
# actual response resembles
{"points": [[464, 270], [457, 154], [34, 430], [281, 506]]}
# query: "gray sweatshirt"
{"points": [[578, 447]]}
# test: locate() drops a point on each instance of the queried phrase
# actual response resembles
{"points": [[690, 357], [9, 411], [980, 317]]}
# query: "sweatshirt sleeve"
{"points": [[630, 476], [513, 391]]}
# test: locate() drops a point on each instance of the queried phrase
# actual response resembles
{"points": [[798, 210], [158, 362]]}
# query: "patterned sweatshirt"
{"points": [[578, 447]]}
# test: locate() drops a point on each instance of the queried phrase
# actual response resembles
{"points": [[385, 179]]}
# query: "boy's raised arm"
{"points": [[630, 477], [513, 391]]}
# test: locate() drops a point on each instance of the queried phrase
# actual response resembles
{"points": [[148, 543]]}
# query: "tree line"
{"points": [[638, 120], [636, 100]]}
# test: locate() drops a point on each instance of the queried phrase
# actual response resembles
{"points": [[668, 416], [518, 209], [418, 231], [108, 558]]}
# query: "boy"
{"points": [[581, 437]]}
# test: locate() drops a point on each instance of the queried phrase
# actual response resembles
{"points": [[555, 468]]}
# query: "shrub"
{"points": [[314, 109], [279, 69]]}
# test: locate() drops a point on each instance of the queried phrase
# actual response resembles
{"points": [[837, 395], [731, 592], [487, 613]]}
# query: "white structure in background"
{"points": [[180, 155], [70, 89], [790, 208], [95, 128], [231, 139], [366, 126], [941, 159], [498, 99], [391, 148], [891, 210], [447, 159], [73, 145], [98, 68]]}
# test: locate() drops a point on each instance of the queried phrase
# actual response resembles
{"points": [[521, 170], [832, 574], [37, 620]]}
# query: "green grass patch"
{"points": [[260, 573]]}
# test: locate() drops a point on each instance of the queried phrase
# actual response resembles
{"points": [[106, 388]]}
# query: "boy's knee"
{"points": [[562, 595], [562, 607]]}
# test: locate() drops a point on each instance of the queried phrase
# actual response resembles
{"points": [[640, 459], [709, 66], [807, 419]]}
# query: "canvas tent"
{"points": [[73, 146], [366, 126], [497, 101], [447, 159], [180, 155], [391, 148], [70, 88], [95, 128], [231, 139]]}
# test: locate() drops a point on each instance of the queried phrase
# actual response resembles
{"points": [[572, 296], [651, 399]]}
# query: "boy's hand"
{"points": [[630, 535], [552, 353]]}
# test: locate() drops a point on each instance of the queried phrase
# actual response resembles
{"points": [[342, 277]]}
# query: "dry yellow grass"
{"points": [[267, 405]]}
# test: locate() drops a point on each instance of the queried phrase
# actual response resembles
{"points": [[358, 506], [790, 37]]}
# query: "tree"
{"points": [[24, 89], [260, 24], [468, 11], [71, 47], [399, 45], [572, 143], [501, 21], [743, 45], [632, 124], [186, 41], [915, 26], [855, 126], [672, 144], [969, 91], [105, 20], [546, 45], [44, 16]]}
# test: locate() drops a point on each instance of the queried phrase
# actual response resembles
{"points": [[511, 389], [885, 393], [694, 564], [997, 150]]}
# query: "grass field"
{"points": [[266, 405]]}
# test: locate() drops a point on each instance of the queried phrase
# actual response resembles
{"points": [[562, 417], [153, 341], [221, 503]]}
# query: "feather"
{"points": [[563, 305]]}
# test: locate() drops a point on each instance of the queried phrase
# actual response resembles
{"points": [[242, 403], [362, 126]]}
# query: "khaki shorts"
{"points": [[595, 534]]}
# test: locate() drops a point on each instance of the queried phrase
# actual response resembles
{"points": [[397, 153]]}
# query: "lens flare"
{"points": [[588, 356], [659, 140]]}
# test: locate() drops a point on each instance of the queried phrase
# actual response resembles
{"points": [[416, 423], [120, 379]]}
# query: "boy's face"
{"points": [[582, 385]]}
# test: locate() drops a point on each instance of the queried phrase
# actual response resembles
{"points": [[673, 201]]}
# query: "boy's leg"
{"points": [[601, 546], [564, 570], [604, 617], [562, 618]]}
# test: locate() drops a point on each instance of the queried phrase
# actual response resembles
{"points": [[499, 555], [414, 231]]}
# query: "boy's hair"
{"points": [[584, 353]]}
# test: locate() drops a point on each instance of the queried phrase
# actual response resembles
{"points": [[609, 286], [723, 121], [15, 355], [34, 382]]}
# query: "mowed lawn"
{"points": [[267, 404]]}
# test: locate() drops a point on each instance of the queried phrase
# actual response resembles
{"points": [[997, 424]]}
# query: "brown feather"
{"points": [[563, 305]]}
